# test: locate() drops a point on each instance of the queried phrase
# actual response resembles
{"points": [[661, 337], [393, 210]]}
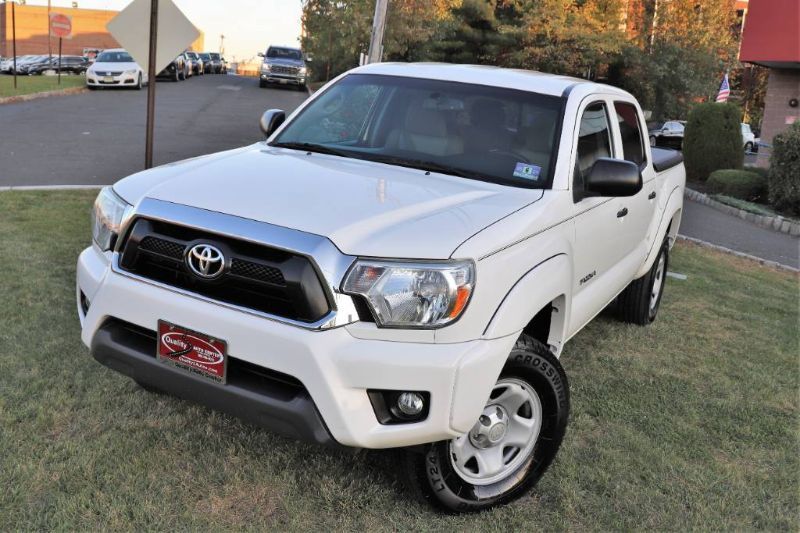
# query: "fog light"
{"points": [[410, 403]]}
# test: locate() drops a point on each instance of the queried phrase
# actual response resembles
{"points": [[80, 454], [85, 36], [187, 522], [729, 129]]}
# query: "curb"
{"points": [[49, 187], [45, 94], [774, 223], [764, 262]]}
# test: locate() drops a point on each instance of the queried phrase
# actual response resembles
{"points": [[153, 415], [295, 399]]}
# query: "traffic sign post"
{"points": [[61, 26], [136, 29]]}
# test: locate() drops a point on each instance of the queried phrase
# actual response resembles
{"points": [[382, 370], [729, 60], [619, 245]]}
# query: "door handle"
{"points": [[652, 195], [622, 212]]}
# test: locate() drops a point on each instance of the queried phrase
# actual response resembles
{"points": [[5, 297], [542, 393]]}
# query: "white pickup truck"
{"points": [[399, 264]]}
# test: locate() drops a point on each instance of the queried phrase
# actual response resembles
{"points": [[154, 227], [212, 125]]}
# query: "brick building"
{"points": [[771, 38], [88, 28]]}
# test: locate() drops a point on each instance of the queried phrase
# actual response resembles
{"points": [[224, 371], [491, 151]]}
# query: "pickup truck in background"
{"points": [[398, 265], [283, 65]]}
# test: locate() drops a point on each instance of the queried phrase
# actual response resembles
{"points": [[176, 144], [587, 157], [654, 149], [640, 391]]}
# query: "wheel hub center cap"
{"points": [[491, 427]]}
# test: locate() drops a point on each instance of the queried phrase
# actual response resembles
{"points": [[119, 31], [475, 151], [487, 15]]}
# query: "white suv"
{"points": [[398, 265]]}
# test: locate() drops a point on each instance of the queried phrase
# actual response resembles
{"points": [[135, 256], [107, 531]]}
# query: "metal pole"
{"points": [[378, 27], [49, 36], [151, 84], [59, 60], [14, 39]]}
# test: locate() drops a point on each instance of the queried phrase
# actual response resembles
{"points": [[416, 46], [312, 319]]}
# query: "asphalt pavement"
{"points": [[98, 137], [707, 224]]}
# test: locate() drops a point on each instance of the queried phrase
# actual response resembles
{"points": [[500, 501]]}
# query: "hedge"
{"points": [[712, 140], [784, 170], [741, 184]]}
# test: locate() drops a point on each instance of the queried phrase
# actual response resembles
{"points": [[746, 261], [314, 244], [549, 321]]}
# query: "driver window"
{"points": [[594, 141]]}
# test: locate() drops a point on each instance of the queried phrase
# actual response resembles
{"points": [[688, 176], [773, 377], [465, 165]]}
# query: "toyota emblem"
{"points": [[205, 261]]}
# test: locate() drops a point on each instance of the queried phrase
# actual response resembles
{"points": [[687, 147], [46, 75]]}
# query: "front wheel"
{"points": [[652, 140], [139, 82], [748, 147], [511, 445]]}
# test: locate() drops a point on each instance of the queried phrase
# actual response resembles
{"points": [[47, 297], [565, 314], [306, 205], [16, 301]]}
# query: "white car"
{"points": [[115, 68], [748, 138], [399, 264]]}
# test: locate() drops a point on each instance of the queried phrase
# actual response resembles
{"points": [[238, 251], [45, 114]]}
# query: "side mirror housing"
{"points": [[271, 121], [309, 58], [261, 54], [613, 177]]}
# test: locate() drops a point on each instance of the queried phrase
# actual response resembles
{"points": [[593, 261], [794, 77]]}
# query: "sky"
{"points": [[248, 25]]}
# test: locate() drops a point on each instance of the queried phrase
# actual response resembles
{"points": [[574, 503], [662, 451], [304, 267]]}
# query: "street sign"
{"points": [[61, 25], [131, 29]]}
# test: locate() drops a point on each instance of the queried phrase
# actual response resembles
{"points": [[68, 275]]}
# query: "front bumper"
{"points": [[289, 79], [111, 81], [333, 366]]}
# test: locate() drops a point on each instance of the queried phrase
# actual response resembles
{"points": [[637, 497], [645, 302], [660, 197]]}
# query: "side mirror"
{"points": [[271, 120], [261, 54], [613, 177], [309, 58]]}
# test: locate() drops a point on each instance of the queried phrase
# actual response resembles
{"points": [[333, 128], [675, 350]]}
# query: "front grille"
{"points": [[278, 69], [109, 73], [256, 277]]}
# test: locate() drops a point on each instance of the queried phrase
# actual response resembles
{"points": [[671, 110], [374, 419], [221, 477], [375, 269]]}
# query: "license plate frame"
{"points": [[108, 79], [192, 351]]}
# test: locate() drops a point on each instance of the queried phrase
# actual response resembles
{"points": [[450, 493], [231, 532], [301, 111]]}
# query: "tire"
{"points": [[177, 77], [433, 475], [639, 302], [262, 84], [139, 83], [748, 147], [652, 140]]}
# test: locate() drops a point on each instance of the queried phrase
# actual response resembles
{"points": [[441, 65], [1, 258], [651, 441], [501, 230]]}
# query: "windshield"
{"points": [[487, 133], [284, 53], [114, 57], [205, 57], [214, 56]]}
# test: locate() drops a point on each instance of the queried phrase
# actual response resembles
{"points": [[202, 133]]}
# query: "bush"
{"points": [[761, 171], [784, 170], [741, 184], [712, 140]]}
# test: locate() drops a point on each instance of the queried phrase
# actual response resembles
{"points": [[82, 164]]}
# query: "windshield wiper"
{"points": [[311, 147], [428, 166]]}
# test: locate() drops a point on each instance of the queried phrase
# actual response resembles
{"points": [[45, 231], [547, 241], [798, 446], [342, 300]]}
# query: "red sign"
{"points": [[193, 351], [61, 25]]}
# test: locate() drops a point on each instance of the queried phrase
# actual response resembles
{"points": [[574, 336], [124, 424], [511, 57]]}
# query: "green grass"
{"points": [[37, 84], [689, 424]]}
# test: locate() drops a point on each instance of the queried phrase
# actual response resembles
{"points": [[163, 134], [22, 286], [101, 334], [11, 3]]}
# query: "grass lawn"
{"points": [[37, 84], [689, 424]]}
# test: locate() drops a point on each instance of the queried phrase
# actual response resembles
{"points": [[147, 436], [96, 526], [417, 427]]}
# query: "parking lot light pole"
{"points": [[14, 39], [378, 27], [151, 85]]}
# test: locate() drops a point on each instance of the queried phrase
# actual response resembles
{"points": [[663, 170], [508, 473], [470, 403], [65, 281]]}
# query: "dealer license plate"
{"points": [[109, 79], [192, 351]]}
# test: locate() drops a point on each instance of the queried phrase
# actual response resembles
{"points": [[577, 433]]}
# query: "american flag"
{"points": [[724, 90]]}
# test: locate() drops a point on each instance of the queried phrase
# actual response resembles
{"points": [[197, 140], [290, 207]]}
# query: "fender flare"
{"points": [[547, 282]]}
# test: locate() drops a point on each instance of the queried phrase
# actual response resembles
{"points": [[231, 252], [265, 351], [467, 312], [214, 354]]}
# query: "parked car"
{"points": [[668, 133], [749, 139], [115, 68], [24, 61], [176, 70], [69, 65], [283, 65], [429, 239], [215, 63], [224, 64], [208, 64], [189, 64], [197, 63]]}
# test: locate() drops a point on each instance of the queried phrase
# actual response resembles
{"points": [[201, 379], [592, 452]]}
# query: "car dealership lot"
{"points": [[97, 138]]}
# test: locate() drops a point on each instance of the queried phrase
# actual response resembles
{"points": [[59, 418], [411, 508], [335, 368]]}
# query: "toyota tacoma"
{"points": [[397, 265]]}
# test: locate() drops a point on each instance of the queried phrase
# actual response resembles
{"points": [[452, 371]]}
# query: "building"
{"points": [[771, 38], [32, 22]]}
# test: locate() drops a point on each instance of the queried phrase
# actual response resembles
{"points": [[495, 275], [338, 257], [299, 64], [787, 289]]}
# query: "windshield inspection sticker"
{"points": [[526, 171]]}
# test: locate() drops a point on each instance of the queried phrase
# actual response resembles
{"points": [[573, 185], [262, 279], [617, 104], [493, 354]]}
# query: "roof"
{"points": [[770, 35], [539, 82]]}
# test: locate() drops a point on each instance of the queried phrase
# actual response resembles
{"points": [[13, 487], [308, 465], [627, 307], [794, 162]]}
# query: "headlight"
{"points": [[303, 71], [130, 71], [265, 67], [413, 295], [109, 210]]}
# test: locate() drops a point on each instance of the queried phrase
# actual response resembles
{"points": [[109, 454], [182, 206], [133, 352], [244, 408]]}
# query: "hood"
{"points": [[364, 208], [114, 67], [284, 61]]}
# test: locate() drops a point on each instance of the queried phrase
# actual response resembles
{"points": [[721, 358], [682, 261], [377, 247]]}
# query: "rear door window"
{"points": [[630, 132]]}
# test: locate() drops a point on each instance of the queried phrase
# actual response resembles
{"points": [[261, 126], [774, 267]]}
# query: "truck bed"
{"points": [[665, 158]]}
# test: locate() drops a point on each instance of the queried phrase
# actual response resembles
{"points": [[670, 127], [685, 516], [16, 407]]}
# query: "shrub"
{"points": [[761, 171], [712, 140], [784, 170], [741, 184]]}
